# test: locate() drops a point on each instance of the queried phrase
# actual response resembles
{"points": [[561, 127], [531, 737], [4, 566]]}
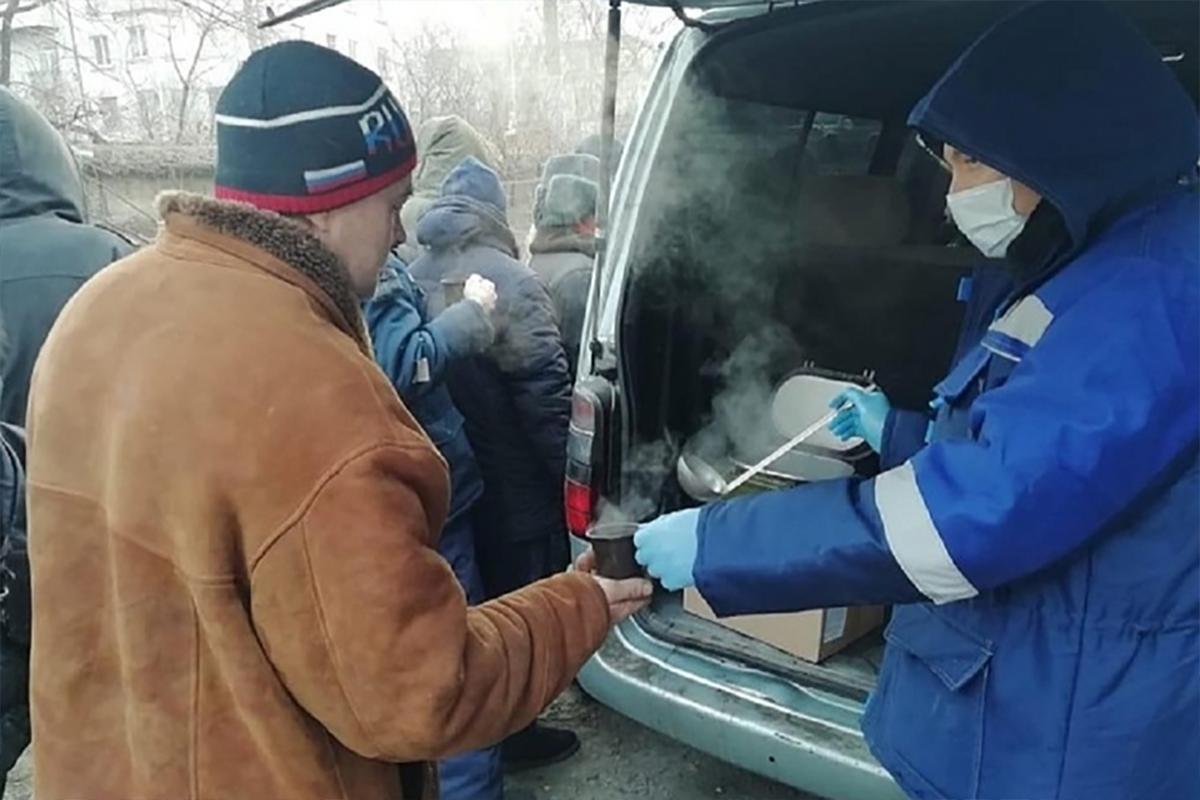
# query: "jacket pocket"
{"points": [[926, 720], [954, 395], [443, 430], [964, 381]]}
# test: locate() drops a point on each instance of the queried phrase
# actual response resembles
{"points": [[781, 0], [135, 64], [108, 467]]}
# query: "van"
{"points": [[772, 212]]}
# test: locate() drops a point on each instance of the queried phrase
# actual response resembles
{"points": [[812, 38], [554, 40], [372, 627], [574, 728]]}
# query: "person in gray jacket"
{"points": [[47, 251], [14, 598], [46, 254], [563, 246]]}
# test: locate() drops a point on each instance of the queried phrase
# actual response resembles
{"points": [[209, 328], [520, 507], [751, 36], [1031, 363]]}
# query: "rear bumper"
{"points": [[800, 736]]}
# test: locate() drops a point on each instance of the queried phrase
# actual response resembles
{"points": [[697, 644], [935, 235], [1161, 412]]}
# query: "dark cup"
{"points": [[613, 545], [452, 291]]}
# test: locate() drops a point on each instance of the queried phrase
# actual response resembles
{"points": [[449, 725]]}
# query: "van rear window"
{"points": [[837, 144]]}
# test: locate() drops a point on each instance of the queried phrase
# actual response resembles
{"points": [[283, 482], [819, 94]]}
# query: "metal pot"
{"points": [[701, 478]]}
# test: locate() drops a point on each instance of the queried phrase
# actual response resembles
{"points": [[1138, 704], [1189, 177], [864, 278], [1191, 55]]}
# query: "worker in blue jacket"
{"points": [[415, 351], [1038, 531]]}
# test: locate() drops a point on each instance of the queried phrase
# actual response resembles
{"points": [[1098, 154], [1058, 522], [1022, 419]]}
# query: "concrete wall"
{"points": [[126, 201]]}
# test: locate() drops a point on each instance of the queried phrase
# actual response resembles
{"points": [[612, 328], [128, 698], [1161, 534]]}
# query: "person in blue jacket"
{"points": [[516, 400], [415, 351], [1038, 531]]}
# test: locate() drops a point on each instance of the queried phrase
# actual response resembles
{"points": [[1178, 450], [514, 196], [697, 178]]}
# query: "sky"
{"points": [[478, 23], [481, 23]]}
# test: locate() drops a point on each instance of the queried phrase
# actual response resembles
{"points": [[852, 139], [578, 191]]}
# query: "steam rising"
{"points": [[646, 469], [716, 264]]}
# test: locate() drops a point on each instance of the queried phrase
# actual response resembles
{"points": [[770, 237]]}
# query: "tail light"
{"points": [[591, 409]]}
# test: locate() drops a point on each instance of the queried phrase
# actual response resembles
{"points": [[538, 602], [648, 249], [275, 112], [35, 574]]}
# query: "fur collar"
{"points": [[285, 239], [562, 240]]}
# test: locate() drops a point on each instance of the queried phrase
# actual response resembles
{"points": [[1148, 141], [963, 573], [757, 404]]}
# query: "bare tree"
{"points": [[58, 99], [10, 11], [527, 99], [438, 75], [190, 38], [206, 22]]}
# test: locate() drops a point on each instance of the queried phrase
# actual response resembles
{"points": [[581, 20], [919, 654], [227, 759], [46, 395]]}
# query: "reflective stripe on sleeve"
{"points": [[914, 539]]}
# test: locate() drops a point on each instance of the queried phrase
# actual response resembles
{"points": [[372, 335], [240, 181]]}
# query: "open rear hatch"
{"points": [[791, 219]]}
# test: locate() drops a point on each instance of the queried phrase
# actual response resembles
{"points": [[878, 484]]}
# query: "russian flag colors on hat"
{"points": [[303, 129]]}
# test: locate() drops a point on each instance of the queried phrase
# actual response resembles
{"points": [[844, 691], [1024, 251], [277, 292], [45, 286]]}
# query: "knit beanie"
{"points": [[471, 206], [302, 129], [477, 184]]}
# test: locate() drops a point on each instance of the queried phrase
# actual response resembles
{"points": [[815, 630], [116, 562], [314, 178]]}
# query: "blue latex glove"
{"points": [[667, 546], [865, 416]]}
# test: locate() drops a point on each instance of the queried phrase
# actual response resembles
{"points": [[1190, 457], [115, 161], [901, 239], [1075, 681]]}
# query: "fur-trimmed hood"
{"points": [[562, 240], [280, 237]]}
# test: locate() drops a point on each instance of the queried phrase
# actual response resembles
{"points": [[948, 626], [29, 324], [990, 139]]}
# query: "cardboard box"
{"points": [[811, 635]]}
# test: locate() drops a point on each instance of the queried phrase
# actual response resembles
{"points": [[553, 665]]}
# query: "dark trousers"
{"points": [[508, 566], [475, 775], [14, 704]]}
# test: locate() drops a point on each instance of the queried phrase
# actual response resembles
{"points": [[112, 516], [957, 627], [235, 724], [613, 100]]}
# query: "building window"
{"points": [[48, 61], [110, 111], [331, 41], [175, 101], [840, 145], [138, 46], [149, 102], [214, 96], [100, 51], [352, 48]]}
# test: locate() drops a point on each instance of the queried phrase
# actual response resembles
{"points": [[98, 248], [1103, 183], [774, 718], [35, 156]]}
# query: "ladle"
{"points": [[703, 482]]}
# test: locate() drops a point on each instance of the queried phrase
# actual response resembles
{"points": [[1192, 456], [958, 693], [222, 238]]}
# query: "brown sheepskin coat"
{"points": [[233, 523]]}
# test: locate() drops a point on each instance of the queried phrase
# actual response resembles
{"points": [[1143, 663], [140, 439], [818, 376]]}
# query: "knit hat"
{"points": [[471, 207], [476, 183], [303, 129]]}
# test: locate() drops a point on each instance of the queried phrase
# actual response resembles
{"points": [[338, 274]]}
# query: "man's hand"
{"points": [[482, 291], [625, 597]]}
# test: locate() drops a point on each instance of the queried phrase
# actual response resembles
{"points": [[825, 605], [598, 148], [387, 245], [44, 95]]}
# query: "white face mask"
{"points": [[986, 216]]}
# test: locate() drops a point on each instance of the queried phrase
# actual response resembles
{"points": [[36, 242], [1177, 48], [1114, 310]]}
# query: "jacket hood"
{"points": [[1071, 100], [442, 144], [593, 144], [37, 172], [562, 240], [472, 208]]}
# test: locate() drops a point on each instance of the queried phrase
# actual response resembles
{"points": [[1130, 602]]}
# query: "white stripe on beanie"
{"points": [[303, 116]]}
